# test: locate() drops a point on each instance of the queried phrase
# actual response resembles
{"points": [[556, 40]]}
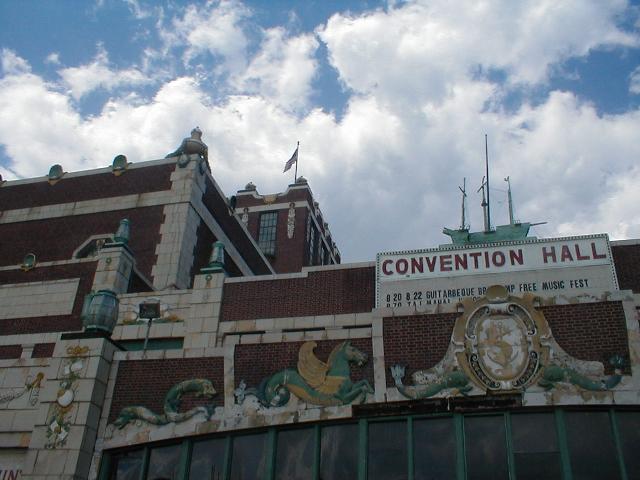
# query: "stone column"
{"points": [[115, 265], [64, 435], [178, 232], [206, 298]]}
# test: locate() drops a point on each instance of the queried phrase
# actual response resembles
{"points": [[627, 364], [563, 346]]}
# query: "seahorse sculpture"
{"points": [[200, 386], [553, 374], [315, 381], [453, 380]]}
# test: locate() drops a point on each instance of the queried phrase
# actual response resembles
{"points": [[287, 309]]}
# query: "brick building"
{"points": [[266, 357]]}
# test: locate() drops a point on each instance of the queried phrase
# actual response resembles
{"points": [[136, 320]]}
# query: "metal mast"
{"points": [[463, 189], [511, 220], [488, 209]]}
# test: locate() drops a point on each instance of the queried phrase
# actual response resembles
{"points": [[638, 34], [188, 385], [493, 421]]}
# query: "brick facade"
{"points": [[590, 331], [55, 323], [36, 236], [230, 224], [43, 350], [627, 261], [87, 187], [146, 382], [327, 292], [418, 342], [8, 352], [291, 195], [587, 331], [255, 362], [291, 254]]}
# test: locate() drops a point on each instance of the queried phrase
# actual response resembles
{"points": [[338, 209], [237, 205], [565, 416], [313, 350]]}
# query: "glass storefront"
{"points": [[551, 444]]}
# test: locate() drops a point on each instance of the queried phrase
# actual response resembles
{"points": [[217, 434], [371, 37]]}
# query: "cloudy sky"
{"points": [[390, 102]]}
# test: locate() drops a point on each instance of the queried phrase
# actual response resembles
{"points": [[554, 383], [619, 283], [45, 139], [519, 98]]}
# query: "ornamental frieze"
{"points": [[314, 381], [502, 343]]}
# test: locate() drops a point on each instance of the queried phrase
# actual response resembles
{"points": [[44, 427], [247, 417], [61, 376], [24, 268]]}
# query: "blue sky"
{"points": [[390, 102]]}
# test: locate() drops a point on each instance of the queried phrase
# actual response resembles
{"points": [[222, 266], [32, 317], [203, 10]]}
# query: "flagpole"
{"points": [[295, 175]]}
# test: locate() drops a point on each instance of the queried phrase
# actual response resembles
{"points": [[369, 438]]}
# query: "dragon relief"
{"points": [[314, 381], [199, 386]]}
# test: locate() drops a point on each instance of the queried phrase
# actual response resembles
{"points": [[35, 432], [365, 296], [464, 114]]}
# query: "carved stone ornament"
{"points": [[192, 145], [201, 387], [504, 340], [291, 220], [245, 216], [314, 381], [501, 343]]}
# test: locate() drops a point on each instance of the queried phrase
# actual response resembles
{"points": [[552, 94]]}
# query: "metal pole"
{"points": [[295, 175], [486, 158], [146, 338]]}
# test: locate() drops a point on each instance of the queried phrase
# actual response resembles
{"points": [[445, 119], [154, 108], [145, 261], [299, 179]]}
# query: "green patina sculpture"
{"points": [[452, 380], [315, 381], [200, 386], [553, 374]]}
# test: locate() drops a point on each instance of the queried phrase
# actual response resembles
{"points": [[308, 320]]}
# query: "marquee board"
{"points": [[546, 267]]}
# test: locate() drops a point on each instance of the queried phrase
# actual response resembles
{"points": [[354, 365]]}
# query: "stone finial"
{"points": [[301, 180], [190, 146], [122, 235], [250, 186], [55, 173], [28, 262], [216, 262], [119, 165]]}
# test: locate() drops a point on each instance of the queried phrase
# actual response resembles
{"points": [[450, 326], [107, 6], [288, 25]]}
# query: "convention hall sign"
{"points": [[548, 267]]}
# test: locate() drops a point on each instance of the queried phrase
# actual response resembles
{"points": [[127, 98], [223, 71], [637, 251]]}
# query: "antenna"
{"points": [[510, 199], [463, 189], [484, 204], [488, 212]]}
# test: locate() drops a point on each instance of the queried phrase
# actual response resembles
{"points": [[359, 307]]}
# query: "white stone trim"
{"points": [[631, 241], [273, 206], [85, 207], [91, 239], [84, 173], [50, 264], [38, 299], [338, 266]]}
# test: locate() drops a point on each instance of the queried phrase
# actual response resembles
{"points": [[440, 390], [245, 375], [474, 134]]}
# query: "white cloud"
{"points": [[282, 70], [386, 172], [634, 81], [419, 50], [12, 63], [97, 74], [139, 11], [214, 28], [53, 58]]}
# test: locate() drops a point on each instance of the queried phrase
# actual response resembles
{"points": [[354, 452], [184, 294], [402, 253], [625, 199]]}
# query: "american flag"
{"points": [[292, 160]]}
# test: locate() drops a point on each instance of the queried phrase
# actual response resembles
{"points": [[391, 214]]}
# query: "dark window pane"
{"points": [[267, 232], [535, 446], [629, 428], [339, 452], [164, 463], [248, 460], [294, 457], [127, 465], [591, 448], [207, 460], [434, 449], [387, 458], [485, 448]]}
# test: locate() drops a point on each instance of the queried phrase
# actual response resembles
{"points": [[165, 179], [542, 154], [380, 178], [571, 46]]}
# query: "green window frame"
{"points": [[267, 232], [361, 444]]}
